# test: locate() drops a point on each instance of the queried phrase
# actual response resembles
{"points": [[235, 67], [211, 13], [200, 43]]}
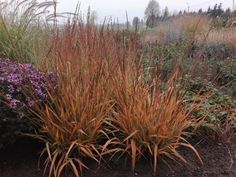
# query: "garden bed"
{"points": [[21, 160], [90, 92]]}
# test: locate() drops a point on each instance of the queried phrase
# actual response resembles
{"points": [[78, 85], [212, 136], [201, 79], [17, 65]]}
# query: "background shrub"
{"points": [[216, 51], [218, 107]]}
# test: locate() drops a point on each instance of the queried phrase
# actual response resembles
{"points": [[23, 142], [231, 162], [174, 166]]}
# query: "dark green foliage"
{"points": [[11, 126], [214, 51], [218, 107], [227, 70]]}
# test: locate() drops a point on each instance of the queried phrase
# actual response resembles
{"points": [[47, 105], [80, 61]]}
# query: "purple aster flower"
{"points": [[23, 84], [30, 103], [13, 103]]}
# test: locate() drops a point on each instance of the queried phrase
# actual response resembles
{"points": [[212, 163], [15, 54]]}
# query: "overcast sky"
{"points": [[118, 8]]}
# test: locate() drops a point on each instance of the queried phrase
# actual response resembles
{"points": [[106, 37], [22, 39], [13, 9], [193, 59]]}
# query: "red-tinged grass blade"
{"points": [[134, 150], [155, 155], [75, 170]]}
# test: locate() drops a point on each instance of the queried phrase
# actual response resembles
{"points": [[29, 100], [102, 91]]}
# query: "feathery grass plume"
{"points": [[24, 30]]}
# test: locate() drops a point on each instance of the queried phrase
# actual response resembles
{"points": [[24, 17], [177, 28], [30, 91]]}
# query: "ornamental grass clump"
{"points": [[72, 122], [149, 117], [150, 122], [21, 85]]}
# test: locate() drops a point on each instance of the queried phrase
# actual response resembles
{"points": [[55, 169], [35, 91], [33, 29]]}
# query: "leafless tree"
{"points": [[152, 13], [136, 22]]}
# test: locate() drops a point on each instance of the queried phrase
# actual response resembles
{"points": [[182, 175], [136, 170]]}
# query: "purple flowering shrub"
{"points": [[21, 85]]}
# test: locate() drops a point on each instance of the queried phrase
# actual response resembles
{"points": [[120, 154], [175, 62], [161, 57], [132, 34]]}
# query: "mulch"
{"points": [[21, 160]]}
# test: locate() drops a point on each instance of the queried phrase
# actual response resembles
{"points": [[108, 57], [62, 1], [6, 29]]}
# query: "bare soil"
{"points": [[21, 160]]}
